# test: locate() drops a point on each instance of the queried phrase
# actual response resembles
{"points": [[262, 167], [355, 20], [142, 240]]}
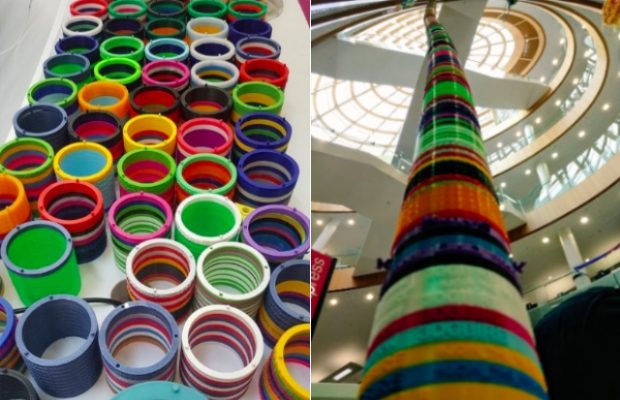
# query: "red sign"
{"points": [[322, 267]]}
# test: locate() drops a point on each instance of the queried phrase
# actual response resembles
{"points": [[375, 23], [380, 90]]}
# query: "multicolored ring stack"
{"points": [[450, 323]]}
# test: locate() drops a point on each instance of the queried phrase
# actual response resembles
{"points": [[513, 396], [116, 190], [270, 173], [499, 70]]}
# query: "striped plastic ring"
{"points": [[147, 170], [78, 207], [205, 173], [277, 382], [215, 73], [288, 292], [14, 385], [42, 121], [232, 328], [166, 49], [152, 131], [136, 218], [207, 102], [9, 355], [264, 70], [211, 48], [242, 28], [83, 25], [99, 127], [204, 135], [234, 274], [205, 27], [259, 130], [59, 91], [14, 207], [257, 47], [29, 160], [280, 233], [158, 261], [96, 8], [169, 73], [155, 99], [138, 321], [79, 44]]}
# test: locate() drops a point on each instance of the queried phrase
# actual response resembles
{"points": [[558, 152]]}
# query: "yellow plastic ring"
{"points": [[280, 362], [150, 123], [83, 146]]}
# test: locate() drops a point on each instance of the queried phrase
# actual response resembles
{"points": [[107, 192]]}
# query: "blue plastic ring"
{"points": [[160, 390], [42, 121], [86, 46], [242, 28], [168, 45]]}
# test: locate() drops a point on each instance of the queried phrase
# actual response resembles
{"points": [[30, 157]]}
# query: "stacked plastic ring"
{"points": [[9, 355], [155, 99], [289, 285], [122, 70], [152, 390], [30, 161], [122, 47], [84, 45], [266, 177], [234, 274], [215, 73], [75, 67], [165, 28], [52, 269], [262, 131], [205, 173], [167, 9], [59, 91], [166, 49], [152, 131], [256, 47], [138, 321], [83, 25], [205, 27], [209, 102], [96, 8], [277, 382], [14, 207], [264, 70], [169, 73], [42, 121], [254, 97], [211, 48], [162, 260], [105, 96], [204, 135], [51, 319], [123, 27], [207, 8], [78, 207], [280, 233], [134, 219], [231, 327], [87, 162], [242, 28], [14, 385], [134, 9], [246, 9], [147, 170], [204, 219], [99, 127]]}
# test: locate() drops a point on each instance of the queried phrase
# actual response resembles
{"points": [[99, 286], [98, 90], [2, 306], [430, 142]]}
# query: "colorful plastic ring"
{"points": [[108, 96], [211, 48], [242, 28], [155, 99], [98, 127], [205, 173], [59, 91], [147, 170], [75, 67], [205, 27], [123, 27], [152, 131], [15, 209], [207, 8], [170, 73], [214, 73], [264, 70], [79, 44], [209, 102], [42, 121], [204, 135], [167, 9], [167, 49], [95, 8], [122, 47], [256, 47], [165, 28], [83, 25], [260, 131], [122, 70], [134, 9], [256, 96], [246, 9], [10, 359]]}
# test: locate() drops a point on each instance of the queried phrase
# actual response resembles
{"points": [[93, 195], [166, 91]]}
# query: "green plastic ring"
{"points": [[63, 102], [146, 154], [29, 143], [241, 15], [125, 79], [243, 106], [214, 158], [207, 8], [135, 15], [106, 50]]}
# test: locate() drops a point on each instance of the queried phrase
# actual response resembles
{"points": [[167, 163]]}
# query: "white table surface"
{"points": [[290, 29]]}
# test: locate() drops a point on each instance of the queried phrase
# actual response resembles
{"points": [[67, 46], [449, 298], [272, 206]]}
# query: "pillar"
{"points": [[573, 257]]}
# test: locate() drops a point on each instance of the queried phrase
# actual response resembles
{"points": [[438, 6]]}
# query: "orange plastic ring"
{"points": [[18, 211], [91, 98]]}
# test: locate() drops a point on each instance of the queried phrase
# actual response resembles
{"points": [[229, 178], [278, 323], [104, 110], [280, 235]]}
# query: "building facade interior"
{"points": [[544, 76]]}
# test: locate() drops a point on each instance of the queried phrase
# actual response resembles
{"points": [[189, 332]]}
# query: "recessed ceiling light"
{"points": [[575, 81], [558, 103], [562, 41], [543, 79], [538, 120], [549, 277], [587, 53], [581, 134], [499, 145], [545, 240], [502, 185], [502, 207], [619, 36], [554, 155], [319, 222], [584, 220], [510, 255], [333, 302], [528, 171], [519, 133], [555, 61], [370, 296], [606, 106], [587, 259], [351, 221]]}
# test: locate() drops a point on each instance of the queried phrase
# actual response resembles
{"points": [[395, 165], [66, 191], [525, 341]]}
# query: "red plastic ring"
{"points": [[155, 99], [99, 13], [264, 70], [187, 148]]}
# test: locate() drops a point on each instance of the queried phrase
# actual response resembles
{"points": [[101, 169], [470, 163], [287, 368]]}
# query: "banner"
{"points": [[322, 267]]}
